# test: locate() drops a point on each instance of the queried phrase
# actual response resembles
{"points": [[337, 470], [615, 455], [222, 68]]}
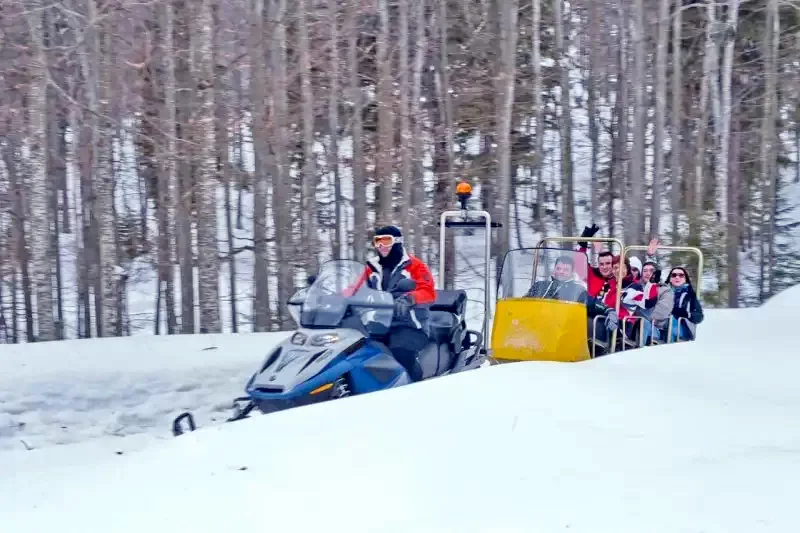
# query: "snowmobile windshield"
{"points": [[342, 290]]}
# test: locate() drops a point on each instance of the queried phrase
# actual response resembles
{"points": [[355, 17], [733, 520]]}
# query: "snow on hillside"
{"points": [[691, 437], [69, 391]]}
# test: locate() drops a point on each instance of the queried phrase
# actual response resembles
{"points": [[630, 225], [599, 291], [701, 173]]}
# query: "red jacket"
{"points": [[408, 267], [595, 282]]}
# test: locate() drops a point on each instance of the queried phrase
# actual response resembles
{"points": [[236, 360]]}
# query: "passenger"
{"points": [[636, 268], [600, 279], [610, 322], [658, 299], [562, 285], [686, 306], [631, 300]]}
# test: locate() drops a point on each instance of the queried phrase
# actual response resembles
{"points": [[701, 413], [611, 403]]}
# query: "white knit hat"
{"points": [[636, 263]]}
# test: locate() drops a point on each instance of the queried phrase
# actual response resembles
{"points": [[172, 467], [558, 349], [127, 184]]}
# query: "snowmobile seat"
{"points": [[454, 302], [442, 325]]}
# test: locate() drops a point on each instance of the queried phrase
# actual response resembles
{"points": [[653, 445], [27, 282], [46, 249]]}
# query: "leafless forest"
{"points": [[194, 154]]}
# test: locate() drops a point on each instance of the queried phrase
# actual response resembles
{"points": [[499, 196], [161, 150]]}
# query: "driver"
{"points": [[562, 284], [409, 332]]}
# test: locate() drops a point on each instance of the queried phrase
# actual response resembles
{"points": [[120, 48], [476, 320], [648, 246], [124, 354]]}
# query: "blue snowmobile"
{"points": [[338, 349]]}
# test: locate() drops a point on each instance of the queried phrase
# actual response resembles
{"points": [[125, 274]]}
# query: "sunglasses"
{"points": [[678, 275], [386, 240]]}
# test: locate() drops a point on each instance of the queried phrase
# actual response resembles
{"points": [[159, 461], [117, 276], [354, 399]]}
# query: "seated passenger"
{"points": [[631, 300], [658, 299], [636, 268], [600, 279], [686, 306], [562, 285], [608, 323]]}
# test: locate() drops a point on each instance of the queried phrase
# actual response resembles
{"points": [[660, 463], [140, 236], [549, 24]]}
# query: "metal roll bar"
{"points": [[692, 249], [618, 296], [697, 251], [487, 224]]}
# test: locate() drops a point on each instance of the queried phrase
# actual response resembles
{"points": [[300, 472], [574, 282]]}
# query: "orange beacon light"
{"points": [[464, 192]]}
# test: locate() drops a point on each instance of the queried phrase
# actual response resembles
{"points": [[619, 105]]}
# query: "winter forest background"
{"points": [[180, 166]]}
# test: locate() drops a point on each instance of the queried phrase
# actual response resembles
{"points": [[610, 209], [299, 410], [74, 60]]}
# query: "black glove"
{"points": [[680, 313], [403, 304], [588, 231]]}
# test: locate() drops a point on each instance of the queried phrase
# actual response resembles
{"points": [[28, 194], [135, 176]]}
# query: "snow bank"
{"points": [[688, 437], [70, 391]]}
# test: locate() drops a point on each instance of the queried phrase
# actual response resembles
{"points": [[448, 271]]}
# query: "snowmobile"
{"points": [[338, 348]]}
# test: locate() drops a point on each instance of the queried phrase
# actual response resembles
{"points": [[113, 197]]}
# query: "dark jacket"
{"points": [[568, 291], [687, 304]]}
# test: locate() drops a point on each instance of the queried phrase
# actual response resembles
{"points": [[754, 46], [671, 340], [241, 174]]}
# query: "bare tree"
{"points": [[40, 184], [508, 12], [565, 123], [206, 185], [677, 117], [385, 155], [661, 116], [258, 94], [309, 204]]}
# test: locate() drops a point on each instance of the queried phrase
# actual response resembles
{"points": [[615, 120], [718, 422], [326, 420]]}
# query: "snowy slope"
{"points": [[69, 391], [691, 437]]}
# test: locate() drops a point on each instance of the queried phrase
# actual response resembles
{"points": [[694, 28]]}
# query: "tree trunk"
{"points": [[309, 205], [282, 181], [168, 181], [418, 114], [445, 186], [723, 161], [634, 204], [565, 123], [262, 318], [10, 155], [405, 122], [185, 155], [769, 151], [206, 183], [661, 117], [385, 153], [536, 170], [224, 98], [591, 97], [109, 319], [359, 182], [333, 126], [508, 10], [677, 118], [40, 185], [696, 211]]}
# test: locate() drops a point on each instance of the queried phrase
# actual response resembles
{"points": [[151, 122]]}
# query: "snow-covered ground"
{"points": [[689, 437], [69, 391]]}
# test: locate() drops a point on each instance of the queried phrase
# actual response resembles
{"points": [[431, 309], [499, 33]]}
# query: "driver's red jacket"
{"points": [[409, 267]]}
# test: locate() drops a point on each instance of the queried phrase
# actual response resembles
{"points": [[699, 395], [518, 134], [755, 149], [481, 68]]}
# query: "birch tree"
{"points": [[385, 153], [565, 123], [661, 116], [40, 185], [634, 204], [206, 184], [309, 203], [508, 12], [258, 89]]}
